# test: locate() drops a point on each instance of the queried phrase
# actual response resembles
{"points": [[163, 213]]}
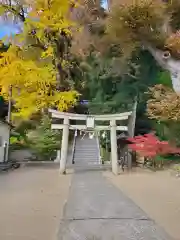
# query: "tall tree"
{"points": [[152, 25], [108, 91], [3, 103], [35, 63]]}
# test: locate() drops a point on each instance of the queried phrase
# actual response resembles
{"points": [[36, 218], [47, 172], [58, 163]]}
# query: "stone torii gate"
{"points": [[90, 125]]}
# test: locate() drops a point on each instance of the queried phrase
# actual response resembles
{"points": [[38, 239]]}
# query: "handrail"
{"points": [[73, 146]]}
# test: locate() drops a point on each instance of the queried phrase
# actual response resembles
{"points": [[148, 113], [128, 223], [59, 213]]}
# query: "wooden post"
{"points": [[114, 157], [131, 128], [64, 146]]}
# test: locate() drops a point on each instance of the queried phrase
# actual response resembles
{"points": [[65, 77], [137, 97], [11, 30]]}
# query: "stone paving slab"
{"points": [[96, 210], [92, 196], [110, 229]]}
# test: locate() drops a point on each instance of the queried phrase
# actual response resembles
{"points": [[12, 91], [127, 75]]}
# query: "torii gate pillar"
{"points": [[64, 146], [114, 156]]}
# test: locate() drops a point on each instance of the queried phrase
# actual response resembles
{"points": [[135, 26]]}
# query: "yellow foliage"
{"points": [[28, 69], [47, 53], [173, 43], [136, 23], [164, 104]]}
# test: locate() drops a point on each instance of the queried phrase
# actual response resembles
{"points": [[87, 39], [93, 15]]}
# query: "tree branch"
{"points": [[159, 56], [169, 63], [14, 11]]}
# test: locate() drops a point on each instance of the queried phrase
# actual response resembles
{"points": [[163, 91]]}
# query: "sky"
{"points": [[105, 3], [7, 30]]}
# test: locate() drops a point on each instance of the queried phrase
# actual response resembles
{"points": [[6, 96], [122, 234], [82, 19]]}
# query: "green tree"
{"points": [[44, 141], [110, 91]]}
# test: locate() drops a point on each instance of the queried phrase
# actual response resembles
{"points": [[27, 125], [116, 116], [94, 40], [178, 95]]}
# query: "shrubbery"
{"points": [[44, 141]]}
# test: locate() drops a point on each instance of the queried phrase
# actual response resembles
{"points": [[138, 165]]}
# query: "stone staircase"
{"points": [[86, 153]]}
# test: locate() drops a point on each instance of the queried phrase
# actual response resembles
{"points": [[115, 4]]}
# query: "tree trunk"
{"points": [[167, 62]]}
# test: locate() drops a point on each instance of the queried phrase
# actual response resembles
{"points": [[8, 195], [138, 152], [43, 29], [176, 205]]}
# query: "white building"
{"points": [[4, 138]]}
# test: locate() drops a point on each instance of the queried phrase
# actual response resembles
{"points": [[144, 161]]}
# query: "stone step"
{"points": [[95, 165], [82, 160], [86, 153], [87, 149], [79, 162], [85, 142], [87, 160], [89, 155], [86, 145]]}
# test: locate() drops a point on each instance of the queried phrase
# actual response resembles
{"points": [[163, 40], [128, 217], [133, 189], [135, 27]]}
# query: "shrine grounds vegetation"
{"points": [[79, 50]]}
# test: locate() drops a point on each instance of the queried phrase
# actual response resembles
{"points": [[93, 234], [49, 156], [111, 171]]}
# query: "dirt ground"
{"points": [[157, 193], [31, 203]]}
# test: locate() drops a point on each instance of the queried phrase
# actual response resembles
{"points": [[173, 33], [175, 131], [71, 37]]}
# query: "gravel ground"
{"points": [[39, 204], [157, 193], [32, 201]]}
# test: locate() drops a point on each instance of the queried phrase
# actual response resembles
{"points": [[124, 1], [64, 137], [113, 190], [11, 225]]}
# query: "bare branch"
{"points": [[11, 9]]}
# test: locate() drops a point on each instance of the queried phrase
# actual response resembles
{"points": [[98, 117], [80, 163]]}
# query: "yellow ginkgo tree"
{"points": [[35, 63]]}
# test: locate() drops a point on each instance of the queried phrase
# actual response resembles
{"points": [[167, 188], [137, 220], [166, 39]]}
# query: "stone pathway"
{"points": [[97, 210]]}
